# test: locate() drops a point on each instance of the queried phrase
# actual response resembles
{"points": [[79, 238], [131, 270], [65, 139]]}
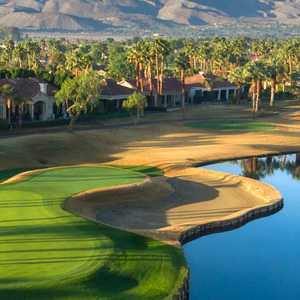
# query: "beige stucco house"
{"points": [[41, 104]]}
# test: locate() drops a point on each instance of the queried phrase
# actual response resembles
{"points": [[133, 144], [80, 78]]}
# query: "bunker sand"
{"points": [[165, 207]]}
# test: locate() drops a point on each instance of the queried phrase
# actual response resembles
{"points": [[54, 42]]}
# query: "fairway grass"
{"points": [[48, 253], [238, 125]]}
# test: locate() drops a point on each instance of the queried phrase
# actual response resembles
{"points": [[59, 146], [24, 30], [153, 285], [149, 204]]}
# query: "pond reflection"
{"points": [[259, 168], [261, 259]]}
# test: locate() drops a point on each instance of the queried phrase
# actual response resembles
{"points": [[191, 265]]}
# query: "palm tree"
{"points": [[75, 62], [289, 53], [160, 49], [157, 46], [204, 52], [190, 50], [9, 46], [8, 92], [20, 102], [138, 55], [220, 55], [165, 51], [237, 51], [182, 64], [256, 72], [133, 57], [237, 76], [19, 53], [274, 71]]}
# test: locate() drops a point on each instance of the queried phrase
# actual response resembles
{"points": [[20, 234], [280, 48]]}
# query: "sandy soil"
{"points": [[185, 196]]}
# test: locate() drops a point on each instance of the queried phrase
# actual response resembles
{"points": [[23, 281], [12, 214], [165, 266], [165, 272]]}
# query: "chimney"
{"points": [[43, 88]]}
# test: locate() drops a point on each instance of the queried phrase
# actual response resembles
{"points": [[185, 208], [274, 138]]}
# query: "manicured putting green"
{"points": [[48, 253], [238, 125]]}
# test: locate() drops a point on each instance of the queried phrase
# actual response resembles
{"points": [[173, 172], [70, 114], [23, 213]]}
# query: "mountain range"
{"points": [[81, 15]]}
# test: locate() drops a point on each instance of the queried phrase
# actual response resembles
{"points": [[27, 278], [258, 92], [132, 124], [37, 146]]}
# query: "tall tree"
{"points": [[20, 101], [237, 76], [255, 71], [79, 95], [182, 64], [19, 53], [161, 49], [7, 92], [274, 72]]}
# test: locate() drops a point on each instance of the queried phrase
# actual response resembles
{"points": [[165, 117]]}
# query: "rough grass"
{"points": [[238, 125], [48, 253]]}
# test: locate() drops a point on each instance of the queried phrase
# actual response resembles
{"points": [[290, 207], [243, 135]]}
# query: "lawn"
{"points": [[238, 125], [48, 253]]}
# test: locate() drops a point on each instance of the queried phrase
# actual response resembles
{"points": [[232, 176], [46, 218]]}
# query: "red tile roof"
{"points": [[28, 87], [213, 82], [170, 85], [112, 88]]}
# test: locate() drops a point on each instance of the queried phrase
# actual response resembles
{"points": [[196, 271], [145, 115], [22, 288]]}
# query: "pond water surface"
{"points": [[260, 260]]}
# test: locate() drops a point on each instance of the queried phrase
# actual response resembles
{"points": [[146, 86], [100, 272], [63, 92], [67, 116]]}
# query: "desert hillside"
{"points": [[100, 14]]}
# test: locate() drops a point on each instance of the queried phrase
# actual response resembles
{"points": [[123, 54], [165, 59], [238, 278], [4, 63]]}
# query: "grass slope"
{"points": [[238, 125], [48, 253]]}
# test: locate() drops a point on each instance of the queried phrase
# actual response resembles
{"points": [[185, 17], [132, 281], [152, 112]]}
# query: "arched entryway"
{"points": [[39, 109]]}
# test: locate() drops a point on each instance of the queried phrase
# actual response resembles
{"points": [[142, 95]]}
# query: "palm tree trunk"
{"points": [[290, 69], [157, 72], [162, 73], [20, 115], [9, 103], [182, 88], [141, 77], [73, 119], [253, 94], [191, 60], [258, 92], [150, 77], [137, 78], [273, 84]]}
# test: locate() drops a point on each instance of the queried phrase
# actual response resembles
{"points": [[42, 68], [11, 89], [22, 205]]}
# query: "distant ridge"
{"points": [[76, 15]]}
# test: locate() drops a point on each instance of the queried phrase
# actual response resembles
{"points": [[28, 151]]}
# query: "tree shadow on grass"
{"points": [[38, 293]]}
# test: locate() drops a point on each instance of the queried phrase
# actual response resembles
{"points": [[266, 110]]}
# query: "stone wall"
{"points": [[230, 224]]}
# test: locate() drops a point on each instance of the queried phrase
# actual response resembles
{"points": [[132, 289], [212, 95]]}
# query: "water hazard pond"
{"points": [[260, 260]]}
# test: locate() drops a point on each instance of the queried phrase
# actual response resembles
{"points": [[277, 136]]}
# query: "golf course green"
{"points": [[48, 253], [239, 125]]}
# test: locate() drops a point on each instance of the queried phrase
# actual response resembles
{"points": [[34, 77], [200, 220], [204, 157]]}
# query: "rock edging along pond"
{"points": [[237, 220], [232, 223], [221, 226]]}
